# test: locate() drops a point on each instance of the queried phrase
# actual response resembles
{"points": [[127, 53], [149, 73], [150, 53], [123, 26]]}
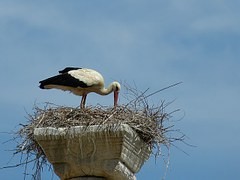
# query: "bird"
{"points": [[81, 82]]}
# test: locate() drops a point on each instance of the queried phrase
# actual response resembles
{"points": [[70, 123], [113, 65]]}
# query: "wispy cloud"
{"points": [[151, 43]]}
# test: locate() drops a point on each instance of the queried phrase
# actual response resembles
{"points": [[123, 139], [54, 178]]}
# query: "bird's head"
{"points": [[116, 88]]}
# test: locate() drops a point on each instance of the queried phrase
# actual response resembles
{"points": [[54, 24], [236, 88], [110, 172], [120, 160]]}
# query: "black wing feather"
{"points": [[67, 69], [63, 80]]}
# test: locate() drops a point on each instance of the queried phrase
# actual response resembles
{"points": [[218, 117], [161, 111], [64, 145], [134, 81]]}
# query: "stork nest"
{"points": [[148, 121]]}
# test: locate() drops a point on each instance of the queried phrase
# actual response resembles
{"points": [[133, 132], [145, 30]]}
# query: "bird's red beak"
{"points": [[115, 98]]}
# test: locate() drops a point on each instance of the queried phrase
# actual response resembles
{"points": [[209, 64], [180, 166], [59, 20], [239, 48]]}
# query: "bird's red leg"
{"points": [[83, 101]]}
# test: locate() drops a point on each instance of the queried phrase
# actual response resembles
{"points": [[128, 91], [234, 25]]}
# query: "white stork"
{"points": [[81, 81]]}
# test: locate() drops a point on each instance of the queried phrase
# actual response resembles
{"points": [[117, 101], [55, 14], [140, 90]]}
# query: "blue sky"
{"points": [[150, 43]]}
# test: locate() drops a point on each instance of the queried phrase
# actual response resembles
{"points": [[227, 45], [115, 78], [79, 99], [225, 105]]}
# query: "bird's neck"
{"points": [[106, 91]]}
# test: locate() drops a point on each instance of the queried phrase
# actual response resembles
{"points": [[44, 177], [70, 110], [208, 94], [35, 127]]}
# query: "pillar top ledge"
{"points": [[105, 151], [70, 132]]}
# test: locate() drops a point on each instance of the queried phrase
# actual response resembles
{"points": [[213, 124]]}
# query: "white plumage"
{"points": [[81, 81]]}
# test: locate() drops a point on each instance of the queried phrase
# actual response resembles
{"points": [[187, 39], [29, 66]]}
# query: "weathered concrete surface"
{"points": [[113, 152]]}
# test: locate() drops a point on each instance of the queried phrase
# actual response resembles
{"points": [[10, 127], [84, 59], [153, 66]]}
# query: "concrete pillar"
{"points": [[88, 178], [113, 152]]}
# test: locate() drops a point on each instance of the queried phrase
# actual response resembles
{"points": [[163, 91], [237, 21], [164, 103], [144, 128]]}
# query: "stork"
{"points": [[81, 81]]}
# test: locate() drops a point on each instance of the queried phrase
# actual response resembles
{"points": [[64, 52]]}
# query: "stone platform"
{"points": [[113, 152]]}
